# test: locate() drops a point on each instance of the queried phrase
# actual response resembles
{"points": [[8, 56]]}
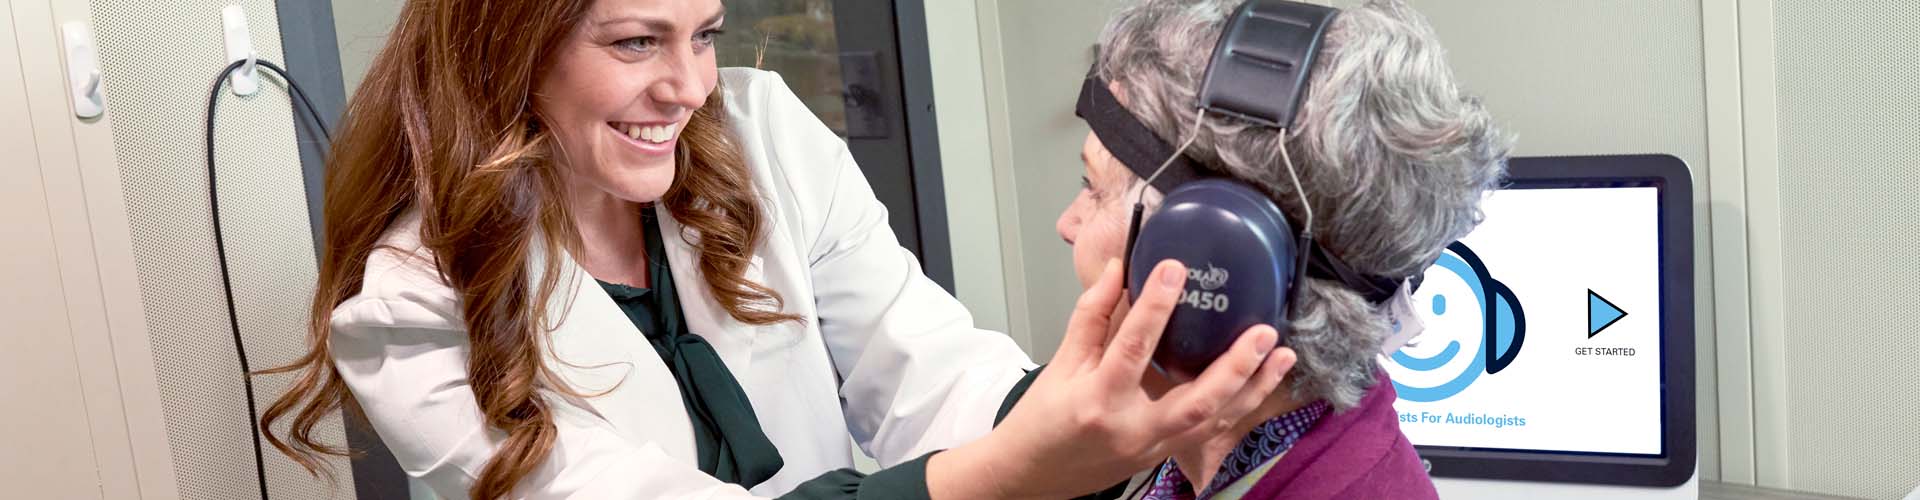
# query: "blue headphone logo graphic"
{"points": [[1503, 328]]}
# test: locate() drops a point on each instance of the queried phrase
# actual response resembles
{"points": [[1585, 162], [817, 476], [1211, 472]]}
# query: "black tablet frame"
{"points": [[1677, 462]]}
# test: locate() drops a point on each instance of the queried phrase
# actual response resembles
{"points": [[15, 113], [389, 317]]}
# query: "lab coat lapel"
{"points": [[597, 350], [730, 337]]}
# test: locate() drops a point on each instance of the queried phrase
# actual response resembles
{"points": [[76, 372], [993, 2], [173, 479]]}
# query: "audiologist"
{"points": [[567, 256]]}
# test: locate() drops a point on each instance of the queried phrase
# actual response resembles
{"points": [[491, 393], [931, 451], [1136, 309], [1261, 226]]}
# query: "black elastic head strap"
{"points": [[1130, 141], [1321, 264]]}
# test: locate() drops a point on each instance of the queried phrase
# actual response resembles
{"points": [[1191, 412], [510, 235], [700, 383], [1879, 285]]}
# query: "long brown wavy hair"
{"points": [[443, 123]]}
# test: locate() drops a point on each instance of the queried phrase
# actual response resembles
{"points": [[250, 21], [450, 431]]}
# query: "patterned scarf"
{"points": [[1267, 441]]}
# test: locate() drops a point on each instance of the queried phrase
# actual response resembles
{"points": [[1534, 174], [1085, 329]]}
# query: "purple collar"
{"points": [[1354, 453], [1268, 440]]}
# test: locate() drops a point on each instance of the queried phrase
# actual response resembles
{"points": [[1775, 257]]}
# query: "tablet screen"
{"points": [[1542, 328]]}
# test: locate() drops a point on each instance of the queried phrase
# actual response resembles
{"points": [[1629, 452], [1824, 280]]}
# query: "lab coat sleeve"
{"points": [[916, 375], [412, 384]]}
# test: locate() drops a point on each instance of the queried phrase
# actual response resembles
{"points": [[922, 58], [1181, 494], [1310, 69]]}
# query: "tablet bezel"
{"points": [[1676, 464]]}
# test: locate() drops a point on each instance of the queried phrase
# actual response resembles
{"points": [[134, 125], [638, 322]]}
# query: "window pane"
{"points": [[796, 39]]}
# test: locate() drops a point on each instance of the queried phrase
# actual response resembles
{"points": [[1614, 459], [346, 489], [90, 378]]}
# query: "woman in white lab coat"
{"points": [[568, 257]]}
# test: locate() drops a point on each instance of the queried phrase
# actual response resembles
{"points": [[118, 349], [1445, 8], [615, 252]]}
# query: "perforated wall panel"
{"points": [[160, 58], [1848, 76]]}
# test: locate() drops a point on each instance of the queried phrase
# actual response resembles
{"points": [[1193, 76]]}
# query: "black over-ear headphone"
{"points": [[1244, 260]]}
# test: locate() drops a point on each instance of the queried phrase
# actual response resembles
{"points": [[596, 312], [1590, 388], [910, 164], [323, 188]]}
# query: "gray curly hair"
{"points": [[1393, 156]]}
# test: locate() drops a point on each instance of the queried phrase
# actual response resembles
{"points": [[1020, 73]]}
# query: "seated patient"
{"points": [[1393, 158]]}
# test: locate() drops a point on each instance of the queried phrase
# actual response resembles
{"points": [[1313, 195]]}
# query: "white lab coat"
{"points": [[884, 353]]}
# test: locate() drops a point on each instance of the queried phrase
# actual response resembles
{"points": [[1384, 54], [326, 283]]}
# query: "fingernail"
{"points": [[1170, 275], [1267, 341]]}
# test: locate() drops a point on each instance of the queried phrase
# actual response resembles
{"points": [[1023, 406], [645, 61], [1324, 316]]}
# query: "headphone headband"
{"points": [[1268, 43], [1266, 51]]}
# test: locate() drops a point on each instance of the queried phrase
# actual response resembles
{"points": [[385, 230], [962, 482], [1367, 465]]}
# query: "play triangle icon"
{"points": [[1601, 314]]}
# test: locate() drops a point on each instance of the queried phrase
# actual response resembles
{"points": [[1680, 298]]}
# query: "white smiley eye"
{"points": [[1450, 309]]}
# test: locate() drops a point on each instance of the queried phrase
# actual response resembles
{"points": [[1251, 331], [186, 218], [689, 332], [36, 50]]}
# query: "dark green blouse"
{"points": [[731, 446]]}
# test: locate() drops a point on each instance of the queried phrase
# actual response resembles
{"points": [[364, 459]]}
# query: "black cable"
{"points": [[220, 245]]}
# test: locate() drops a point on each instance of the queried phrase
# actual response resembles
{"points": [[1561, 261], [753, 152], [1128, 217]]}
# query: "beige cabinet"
{"points": [[117, 359], [82, 422]]}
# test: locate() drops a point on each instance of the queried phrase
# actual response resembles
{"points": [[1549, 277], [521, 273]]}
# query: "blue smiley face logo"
{"points": [[1476, 327]]}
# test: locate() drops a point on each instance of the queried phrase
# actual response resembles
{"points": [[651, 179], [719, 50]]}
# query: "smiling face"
{"points": [[1450, 302], [622, 86]]}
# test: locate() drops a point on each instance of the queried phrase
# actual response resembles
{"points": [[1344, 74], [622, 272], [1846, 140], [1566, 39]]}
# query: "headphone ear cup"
{"points": [[1506, 326], [1239, 253]]}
